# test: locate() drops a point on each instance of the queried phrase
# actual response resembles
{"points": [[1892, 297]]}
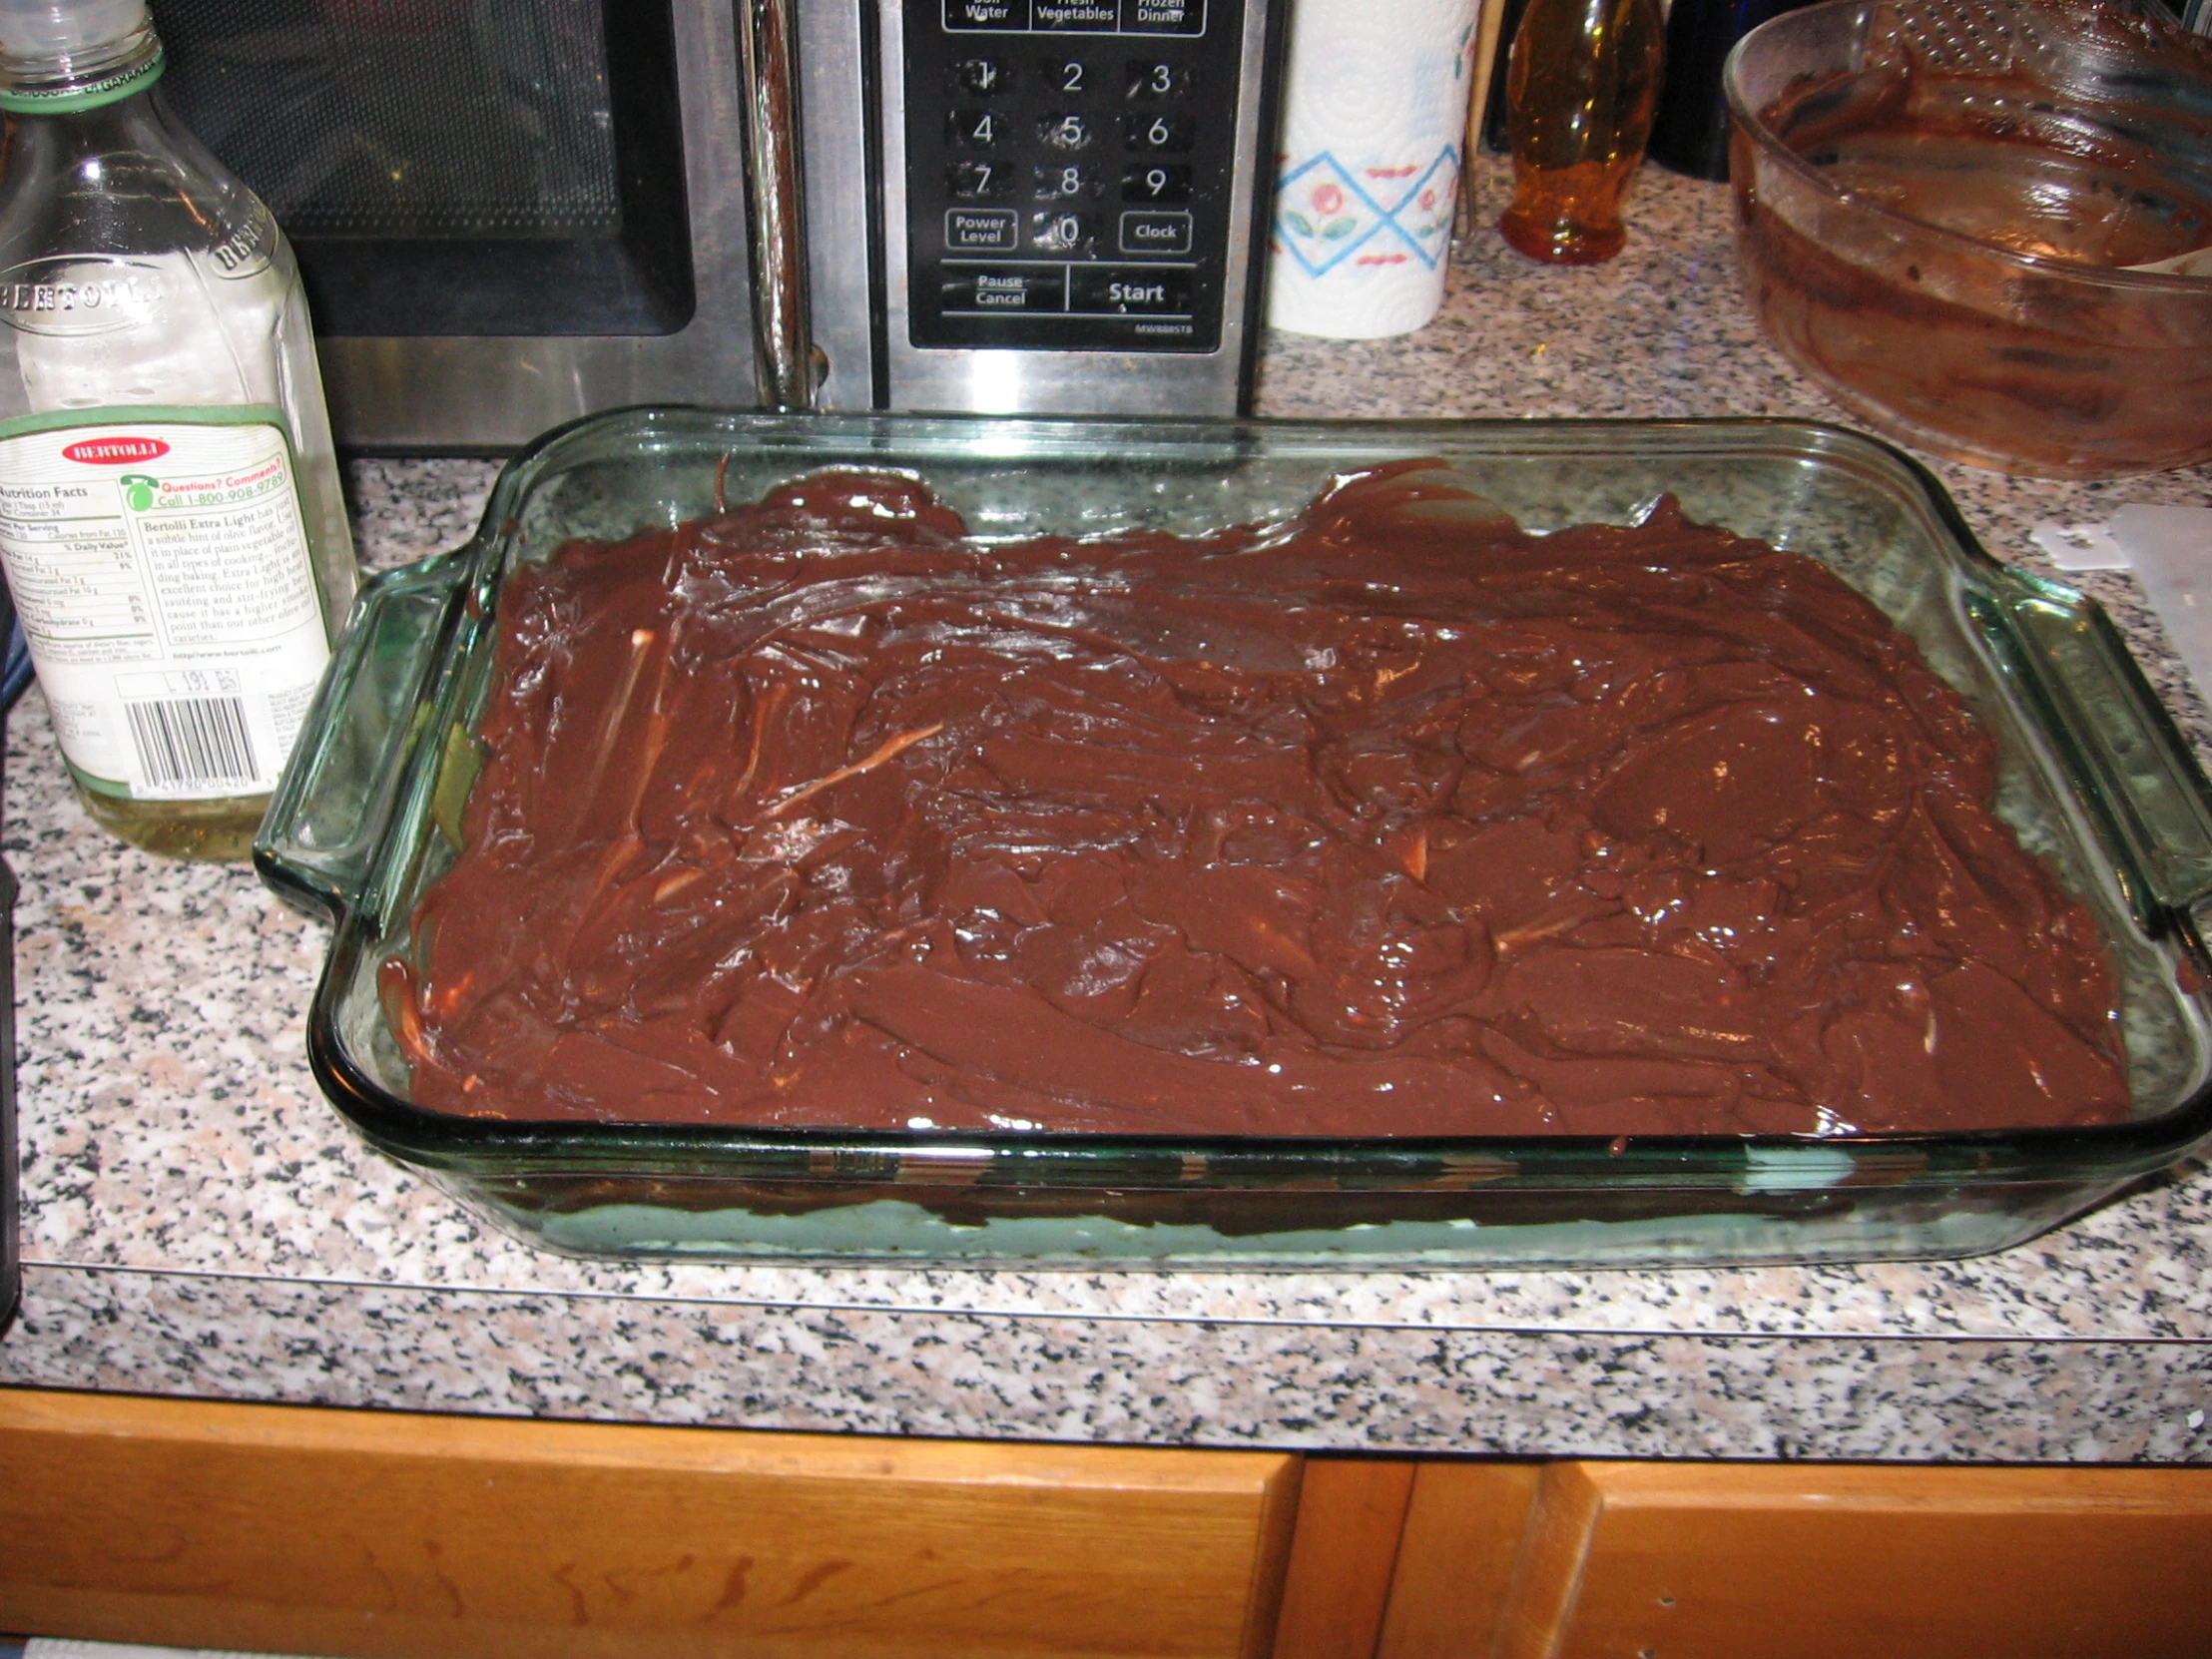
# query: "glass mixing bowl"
{"points": [[1936, 206]]}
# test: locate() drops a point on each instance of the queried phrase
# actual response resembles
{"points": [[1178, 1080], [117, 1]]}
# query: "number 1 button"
{"points": [[981, 78]]}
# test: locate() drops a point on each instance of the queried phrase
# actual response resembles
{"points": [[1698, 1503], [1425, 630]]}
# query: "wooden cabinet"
{"points": [[1580, 1560], [1455, 1559], [1343, 1568], [369, 1534]]}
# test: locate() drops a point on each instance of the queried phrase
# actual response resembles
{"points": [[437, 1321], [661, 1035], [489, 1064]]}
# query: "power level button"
{"points": [[980, 230]]}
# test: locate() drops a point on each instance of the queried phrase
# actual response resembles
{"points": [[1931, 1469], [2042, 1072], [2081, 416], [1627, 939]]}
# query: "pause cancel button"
{"points": [[1130, 290]]}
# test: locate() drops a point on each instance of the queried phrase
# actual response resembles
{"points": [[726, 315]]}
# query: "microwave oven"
{"points": [[510, 212]]}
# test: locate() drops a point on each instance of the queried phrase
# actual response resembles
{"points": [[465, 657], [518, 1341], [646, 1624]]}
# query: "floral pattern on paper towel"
{"points": [[1327, 213]]}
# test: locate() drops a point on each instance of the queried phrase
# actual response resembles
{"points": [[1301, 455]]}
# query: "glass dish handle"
{"points": [[330, 805], [2133, 765]]}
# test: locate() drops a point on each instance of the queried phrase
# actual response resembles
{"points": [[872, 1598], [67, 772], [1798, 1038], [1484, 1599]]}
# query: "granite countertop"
{"points": [[196, 1221]]}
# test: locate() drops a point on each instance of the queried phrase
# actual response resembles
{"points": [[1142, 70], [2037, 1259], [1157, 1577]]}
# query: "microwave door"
{"points": [[508, 213]]}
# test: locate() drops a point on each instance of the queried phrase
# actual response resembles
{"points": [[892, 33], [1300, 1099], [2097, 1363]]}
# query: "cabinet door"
{"points": [[1807, 1561], [376, 1534], [1350, 1512], [1455, 1558]]}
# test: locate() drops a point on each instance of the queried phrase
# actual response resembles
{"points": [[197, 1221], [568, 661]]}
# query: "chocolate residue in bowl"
{"points": [[1390, 820], [1953, 250]]}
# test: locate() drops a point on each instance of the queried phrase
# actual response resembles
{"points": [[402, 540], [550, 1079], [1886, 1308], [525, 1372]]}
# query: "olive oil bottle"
{"points": [[171, 518]]}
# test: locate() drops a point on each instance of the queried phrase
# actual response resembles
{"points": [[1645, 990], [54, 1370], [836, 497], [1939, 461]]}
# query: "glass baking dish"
{"points": [[2092, 776]]}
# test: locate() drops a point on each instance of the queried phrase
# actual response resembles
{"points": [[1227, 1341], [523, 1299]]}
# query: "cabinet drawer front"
{"points": [[376, 1534], [1802, 1561]]}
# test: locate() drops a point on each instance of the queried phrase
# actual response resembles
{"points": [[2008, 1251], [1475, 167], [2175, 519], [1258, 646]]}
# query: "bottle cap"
{"points": [[49, 29]]}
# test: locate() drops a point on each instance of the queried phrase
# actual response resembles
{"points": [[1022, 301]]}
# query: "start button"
{"points": [[1130, 290]]}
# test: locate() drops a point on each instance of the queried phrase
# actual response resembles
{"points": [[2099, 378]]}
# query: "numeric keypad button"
{"points": [[1167, 132], [978, 180], [1059, 232], [1156, 181], [1064, 182], [979, 78], [976, 129], [1153, 81], [1066, 132], [1069, 77]]}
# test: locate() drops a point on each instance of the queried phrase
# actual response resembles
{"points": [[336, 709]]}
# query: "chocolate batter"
{"points": [[1390, 820]]}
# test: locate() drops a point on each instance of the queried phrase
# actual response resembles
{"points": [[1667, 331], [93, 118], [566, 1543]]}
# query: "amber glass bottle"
{"points": [[1580, 88]]}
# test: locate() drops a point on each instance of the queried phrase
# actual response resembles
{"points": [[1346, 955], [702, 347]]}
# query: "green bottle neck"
{"points": [[105, 74]]}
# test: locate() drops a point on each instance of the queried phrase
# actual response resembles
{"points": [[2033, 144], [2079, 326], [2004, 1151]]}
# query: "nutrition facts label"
{"points": [[75, 580], [162, 573], [1069, 171]]}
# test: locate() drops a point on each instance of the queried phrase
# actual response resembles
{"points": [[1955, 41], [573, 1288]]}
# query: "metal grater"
{"points": [[1954, 37]]}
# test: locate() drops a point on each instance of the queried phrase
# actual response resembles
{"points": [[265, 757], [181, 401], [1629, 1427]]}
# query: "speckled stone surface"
{"points": [[198, 1221]]}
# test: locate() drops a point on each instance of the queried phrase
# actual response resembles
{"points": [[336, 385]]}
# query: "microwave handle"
{"points": [[783, 330]]}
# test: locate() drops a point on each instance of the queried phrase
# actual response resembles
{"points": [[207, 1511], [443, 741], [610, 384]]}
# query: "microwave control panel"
{"points": [[1068, 171]]}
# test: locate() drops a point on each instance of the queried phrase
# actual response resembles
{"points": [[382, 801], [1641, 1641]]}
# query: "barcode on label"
{"points": [[192, 740]]}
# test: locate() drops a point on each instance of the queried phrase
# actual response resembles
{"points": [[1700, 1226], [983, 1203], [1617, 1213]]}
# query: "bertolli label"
{"points": [[162, 572]]}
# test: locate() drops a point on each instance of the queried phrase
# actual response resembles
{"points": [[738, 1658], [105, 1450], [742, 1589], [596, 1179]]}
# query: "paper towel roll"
{"points": [[1371, 129]]}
